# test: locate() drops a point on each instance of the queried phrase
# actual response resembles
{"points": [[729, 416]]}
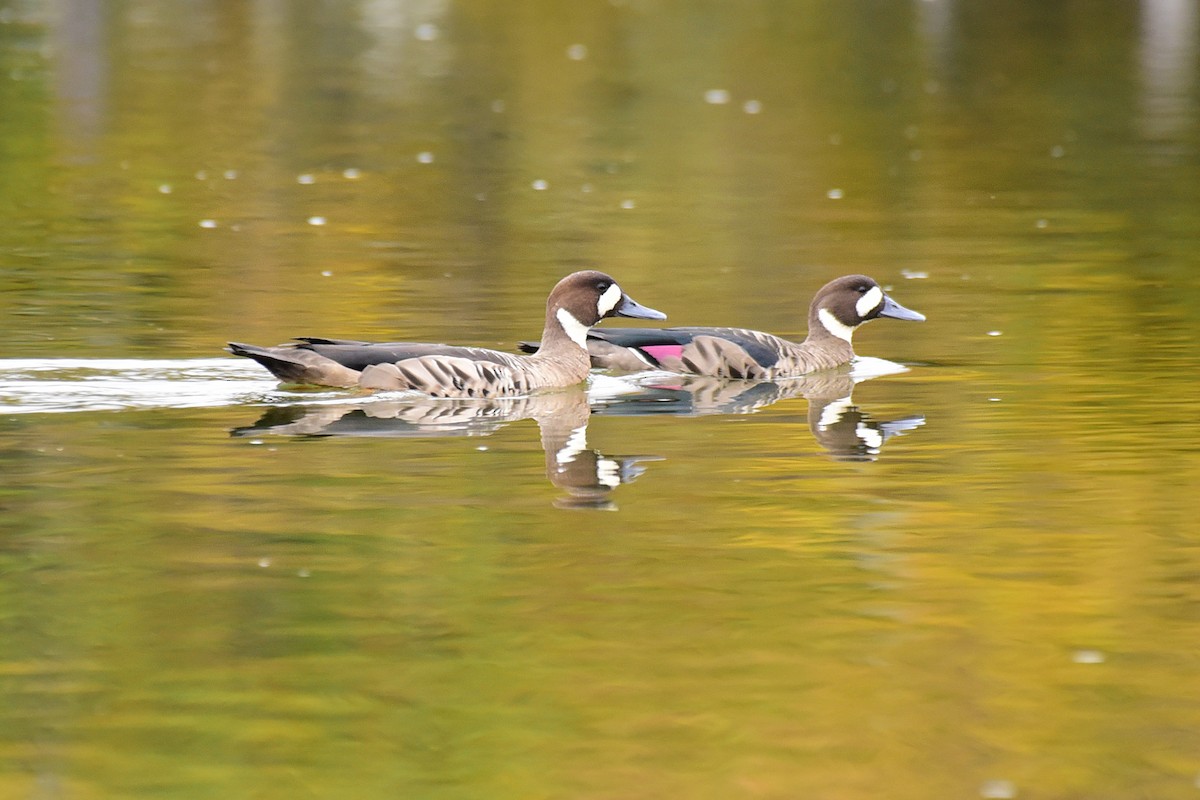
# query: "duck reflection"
{"points": [[847, 432], [587, 476]]}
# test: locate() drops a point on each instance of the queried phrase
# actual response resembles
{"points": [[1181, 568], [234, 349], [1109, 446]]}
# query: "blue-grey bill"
{"points": [[893, 309], [632, 308]]}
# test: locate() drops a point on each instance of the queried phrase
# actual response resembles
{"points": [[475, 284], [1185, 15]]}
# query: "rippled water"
{"points": [[48, 385], [967, 568]]}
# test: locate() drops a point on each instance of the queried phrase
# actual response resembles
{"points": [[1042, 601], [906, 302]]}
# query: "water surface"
{"points": [[974, 577]]}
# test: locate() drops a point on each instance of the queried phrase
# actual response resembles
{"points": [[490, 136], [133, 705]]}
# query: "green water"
{"points": [[976, 578]]}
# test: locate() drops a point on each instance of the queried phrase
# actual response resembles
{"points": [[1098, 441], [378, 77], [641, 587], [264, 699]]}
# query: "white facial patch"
{"points": [[608, 301], [870, 437], [869, 301], [608, 473], [574, 328], [834, 325]]}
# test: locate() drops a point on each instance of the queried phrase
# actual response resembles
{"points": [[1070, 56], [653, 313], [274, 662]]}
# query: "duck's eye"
{"points": [[602, 287], [862, 289]]}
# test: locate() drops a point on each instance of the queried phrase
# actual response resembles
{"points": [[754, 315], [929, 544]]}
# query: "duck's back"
{"points": [[360, 355]]}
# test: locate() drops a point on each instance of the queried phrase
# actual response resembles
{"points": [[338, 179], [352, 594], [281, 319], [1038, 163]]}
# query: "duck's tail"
{"points": [[297, 365]]}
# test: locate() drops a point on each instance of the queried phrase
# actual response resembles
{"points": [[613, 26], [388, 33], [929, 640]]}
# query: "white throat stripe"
{"points": [[834, 326], [869, 301], [574, 328], [575, 444], [832, 413], [608, 301]]}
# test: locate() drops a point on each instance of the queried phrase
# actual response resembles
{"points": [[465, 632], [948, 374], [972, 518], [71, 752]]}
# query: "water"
{"points": [[966, 570]]}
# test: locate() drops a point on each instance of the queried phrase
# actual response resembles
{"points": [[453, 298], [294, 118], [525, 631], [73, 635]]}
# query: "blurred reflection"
{"points": [[81, 75], [935, 23], [842, 428], [1168, 65], [587, 476], [406, 46]]}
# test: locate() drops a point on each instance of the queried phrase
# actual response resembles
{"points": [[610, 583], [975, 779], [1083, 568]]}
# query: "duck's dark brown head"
{"points": [[582, 299], [847, 302]]}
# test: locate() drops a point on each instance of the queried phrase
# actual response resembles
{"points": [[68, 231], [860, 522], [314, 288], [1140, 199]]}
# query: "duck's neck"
{"points": [[564, 345], [828, 334]]}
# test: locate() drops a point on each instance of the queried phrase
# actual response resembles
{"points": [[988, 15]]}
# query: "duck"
{"points": [[836, 312], [577, 302]]}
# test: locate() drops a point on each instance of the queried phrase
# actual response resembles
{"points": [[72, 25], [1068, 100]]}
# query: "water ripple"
{"points": [[49, 385]]}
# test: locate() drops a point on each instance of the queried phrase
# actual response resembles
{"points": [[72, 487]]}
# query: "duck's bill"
{"points": [[632, 308], [896, 311]]}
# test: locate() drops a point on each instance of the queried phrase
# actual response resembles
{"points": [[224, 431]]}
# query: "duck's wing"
{"points": [[442, 375], [720, 352], [338, 362], [737, 353]]}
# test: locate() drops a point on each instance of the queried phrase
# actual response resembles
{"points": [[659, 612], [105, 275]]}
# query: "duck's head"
{"points": [[582, 299], [847, 302]]}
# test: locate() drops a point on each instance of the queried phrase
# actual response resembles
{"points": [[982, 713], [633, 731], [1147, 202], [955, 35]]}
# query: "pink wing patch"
{"points": [[661, 351]]}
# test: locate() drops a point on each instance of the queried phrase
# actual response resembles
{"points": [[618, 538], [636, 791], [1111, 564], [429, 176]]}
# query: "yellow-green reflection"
{"points": [[1006, 598]]}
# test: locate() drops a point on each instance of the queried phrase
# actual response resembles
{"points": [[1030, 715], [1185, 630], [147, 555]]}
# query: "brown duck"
{"points": [[578, 302], [835, 313]]}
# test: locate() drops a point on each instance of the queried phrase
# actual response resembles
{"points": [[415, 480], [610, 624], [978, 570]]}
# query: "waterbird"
{"points": [[836, 311], [576, 303]]}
